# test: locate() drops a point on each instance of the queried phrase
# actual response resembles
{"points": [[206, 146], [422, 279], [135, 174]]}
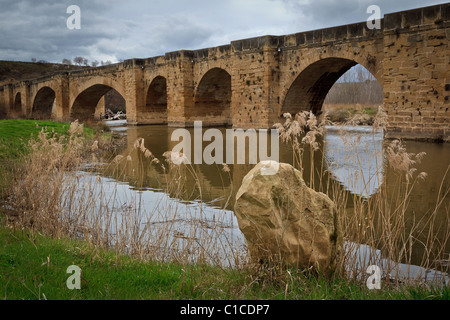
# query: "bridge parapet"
{"points": [[350, 32], [409, 20]]}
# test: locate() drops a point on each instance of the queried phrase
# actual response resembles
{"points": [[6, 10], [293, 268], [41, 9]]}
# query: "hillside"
{"points": [[13, 70]]}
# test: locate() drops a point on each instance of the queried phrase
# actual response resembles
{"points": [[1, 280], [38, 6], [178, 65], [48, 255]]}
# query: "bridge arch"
{"points": [[155, 111], [17, 106], [310, 86], [44, 103], [212, 99], [86, 99]]}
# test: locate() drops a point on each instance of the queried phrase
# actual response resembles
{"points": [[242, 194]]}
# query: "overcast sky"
{"points": [[125, 29]]}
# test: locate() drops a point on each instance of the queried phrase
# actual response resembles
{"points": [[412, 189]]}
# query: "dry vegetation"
{"points": [[52, 196], [380, 221]]}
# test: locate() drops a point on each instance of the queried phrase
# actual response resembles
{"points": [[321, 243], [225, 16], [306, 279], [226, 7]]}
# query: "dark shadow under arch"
{"points": [[155, 111], [86, 105], [17, 107], [213, 98], [310, 88], [157, 95], [43, 104], [3, 112]]}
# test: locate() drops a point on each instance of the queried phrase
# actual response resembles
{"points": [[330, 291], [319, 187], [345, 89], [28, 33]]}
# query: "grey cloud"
{"points": [[38, 29], [179, 32], [142, 28], [327, 13]]}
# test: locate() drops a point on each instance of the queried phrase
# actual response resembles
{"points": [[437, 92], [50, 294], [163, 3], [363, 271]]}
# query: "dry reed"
{"points": [[377, 229], [55, 196]]}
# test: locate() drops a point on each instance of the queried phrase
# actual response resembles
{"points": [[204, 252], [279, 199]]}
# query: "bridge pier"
{"points": [[62, 99], [6, 98], [180, 89], [134, 90], [417, 73], [256, 82]]}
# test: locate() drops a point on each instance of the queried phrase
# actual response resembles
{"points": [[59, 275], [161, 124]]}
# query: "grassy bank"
{"points": [[355, 114], [33, 266], [14, 135]]}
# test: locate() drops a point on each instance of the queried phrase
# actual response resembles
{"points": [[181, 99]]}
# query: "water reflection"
{"points": [[359, 168], [353, 158]]}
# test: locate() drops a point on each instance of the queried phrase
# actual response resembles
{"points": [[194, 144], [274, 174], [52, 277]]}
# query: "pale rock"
{"points": [[284, 220]]}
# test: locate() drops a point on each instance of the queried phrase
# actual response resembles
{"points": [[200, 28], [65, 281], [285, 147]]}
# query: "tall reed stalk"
{"points": [[378, 229]]}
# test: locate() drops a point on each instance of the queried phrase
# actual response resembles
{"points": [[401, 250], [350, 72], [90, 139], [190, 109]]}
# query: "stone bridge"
{"points": [[250, 83]]}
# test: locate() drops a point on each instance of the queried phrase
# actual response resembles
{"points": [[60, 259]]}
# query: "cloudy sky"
{"points": [[123, 29]]}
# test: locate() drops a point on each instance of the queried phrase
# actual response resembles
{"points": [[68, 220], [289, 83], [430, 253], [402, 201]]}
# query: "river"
{"points": [[354, 158]]}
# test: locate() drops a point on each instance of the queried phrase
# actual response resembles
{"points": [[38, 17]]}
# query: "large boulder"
{"points": [[283, 220]]}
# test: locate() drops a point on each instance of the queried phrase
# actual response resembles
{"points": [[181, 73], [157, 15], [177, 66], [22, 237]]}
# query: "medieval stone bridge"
{"points": [[251, 83]]}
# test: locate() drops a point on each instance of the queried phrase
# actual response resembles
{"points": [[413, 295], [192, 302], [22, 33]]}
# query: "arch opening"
{"points": [[155, 111], [92, 103], [310, 88], [213, 98], [17, 107], [329, 85], [44, 104], [356, 96]]}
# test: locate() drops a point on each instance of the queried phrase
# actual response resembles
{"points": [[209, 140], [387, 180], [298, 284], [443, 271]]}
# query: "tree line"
{"points": [[358, 85], [78, 61], [81, 61]]}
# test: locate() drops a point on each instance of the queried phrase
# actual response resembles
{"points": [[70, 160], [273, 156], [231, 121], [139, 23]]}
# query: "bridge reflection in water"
{"points": [[354, 159]]}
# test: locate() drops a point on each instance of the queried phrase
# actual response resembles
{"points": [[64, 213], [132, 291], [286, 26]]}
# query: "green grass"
{"points": [[344, 114], [33, 266], [14, 135], [370, 111]]}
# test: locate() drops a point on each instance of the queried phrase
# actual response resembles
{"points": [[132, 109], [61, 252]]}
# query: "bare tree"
{"points": [[78, 60], [94, 63], [67, 62], [86, 62], [33, 60], [105, 63]]}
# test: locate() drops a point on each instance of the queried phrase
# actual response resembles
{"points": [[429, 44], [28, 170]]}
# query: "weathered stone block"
{"points": [[285, 221], [411, 18], [392, 21]]}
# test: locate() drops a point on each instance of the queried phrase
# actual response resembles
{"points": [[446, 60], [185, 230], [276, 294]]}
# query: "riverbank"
{"points": [[355, 114], [14, 137], [33, 265]]}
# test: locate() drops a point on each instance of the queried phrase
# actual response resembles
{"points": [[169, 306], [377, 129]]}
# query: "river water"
{"points": [[354, 158]]}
